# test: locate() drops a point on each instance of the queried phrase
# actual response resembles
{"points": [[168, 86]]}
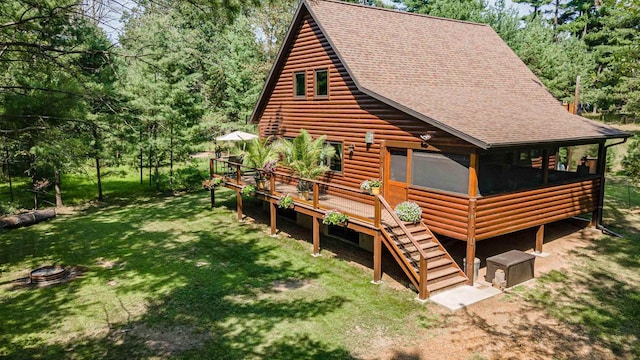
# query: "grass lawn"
{"points": [[170, 277], [600, 294]]}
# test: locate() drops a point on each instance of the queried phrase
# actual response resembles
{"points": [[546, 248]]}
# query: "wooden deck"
{"points": [[416, 249], [360, 210]]}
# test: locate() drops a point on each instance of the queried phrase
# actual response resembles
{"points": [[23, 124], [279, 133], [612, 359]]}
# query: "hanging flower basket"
{"points": [[285, 202], [335, 217], [248, 190]]}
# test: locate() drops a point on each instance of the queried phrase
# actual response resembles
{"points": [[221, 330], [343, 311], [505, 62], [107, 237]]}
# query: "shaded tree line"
{"points": [[182, 72]]}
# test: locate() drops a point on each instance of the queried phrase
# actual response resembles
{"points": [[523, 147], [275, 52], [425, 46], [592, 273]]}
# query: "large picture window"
{"points": [[322, 83], [448, 172], [299, 84]]}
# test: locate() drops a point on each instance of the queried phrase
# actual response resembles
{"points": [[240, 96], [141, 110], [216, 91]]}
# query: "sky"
{"points": [[112, 24]]}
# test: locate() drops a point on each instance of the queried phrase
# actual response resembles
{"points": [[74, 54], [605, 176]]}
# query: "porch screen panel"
{"points": [[399, 165], [448, 172]]}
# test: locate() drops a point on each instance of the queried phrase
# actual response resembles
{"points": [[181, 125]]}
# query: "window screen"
{"points": [[448, 172], [398, 165], [299, 84], [335, 163], [322, 83]]}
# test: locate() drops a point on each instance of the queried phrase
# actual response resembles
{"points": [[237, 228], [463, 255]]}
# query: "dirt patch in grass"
{"points": [[281, 285], [167, 341]]}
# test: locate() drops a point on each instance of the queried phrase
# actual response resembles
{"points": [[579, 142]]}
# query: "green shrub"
{"points": [[409, 211]]}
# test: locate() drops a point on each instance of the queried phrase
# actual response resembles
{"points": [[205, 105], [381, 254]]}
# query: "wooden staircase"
{"points": [[421, 256]]}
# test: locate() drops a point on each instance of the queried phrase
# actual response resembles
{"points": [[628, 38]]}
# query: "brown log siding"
{"points": [[344, 117], [347, 114], [501, 214], [445, 214]]}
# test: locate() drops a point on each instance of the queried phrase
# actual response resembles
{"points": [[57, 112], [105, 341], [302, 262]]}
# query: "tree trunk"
{"points": [[100, 195], [150, 154], [32, 172], [171, 157], [35, 193], [6, 149], [141, 166], [157, 160], [56, 184], [97, 148], [555, 14]]}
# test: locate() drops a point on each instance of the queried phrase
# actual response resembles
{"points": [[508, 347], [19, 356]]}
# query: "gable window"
{"points": [[335, 163], [299, 84], [322, 83]]}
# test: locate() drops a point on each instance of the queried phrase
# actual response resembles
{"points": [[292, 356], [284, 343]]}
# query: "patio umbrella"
{"points": [[237, 136]]}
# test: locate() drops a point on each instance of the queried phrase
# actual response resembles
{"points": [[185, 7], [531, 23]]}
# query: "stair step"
{"points": [[427, 246], [440, 273], [422, 238], [438, 263], [418, 237], [430, 255], [446, 284]]}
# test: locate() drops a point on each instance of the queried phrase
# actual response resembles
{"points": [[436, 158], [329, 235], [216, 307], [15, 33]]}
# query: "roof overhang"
{"points": [[304, 8]]}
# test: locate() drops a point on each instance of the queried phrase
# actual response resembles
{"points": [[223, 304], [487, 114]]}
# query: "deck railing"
{"points": [[311, 193]]}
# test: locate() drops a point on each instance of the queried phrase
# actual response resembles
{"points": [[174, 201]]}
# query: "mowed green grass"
{"points": [[78, 188], [170, 277], [600, 295]]}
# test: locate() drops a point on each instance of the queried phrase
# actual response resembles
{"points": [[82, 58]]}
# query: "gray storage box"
{"points": [[517, 266]]}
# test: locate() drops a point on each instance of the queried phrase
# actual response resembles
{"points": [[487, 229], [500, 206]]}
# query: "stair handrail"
{"points": [[423, 292]]}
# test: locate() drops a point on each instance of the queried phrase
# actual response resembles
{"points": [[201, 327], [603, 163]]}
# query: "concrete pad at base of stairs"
{"points": [[539, 254], [463, 296]]}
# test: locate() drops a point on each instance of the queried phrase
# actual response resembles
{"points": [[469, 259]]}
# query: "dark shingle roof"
{"points": [[456, 75]]}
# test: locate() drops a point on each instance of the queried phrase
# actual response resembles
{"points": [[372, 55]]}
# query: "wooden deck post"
{"points": [[238, 174], [239, 201], [471, 241], [539, 239], [596, 216], [316, 195], [377, 258], [272, 214], [377, 216], [423, 292], [316, 236], [272, 184], [471, 217]]}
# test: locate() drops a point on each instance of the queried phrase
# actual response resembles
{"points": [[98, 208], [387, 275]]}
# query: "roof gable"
{"points": [[455, 75]]}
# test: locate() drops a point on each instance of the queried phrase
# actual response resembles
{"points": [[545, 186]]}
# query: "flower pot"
{"points": [[304, 195], [375, 191], [261, 184]]}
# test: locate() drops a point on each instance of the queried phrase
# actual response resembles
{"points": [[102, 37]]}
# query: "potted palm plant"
{"points": [[306, 158], [261, 156]]}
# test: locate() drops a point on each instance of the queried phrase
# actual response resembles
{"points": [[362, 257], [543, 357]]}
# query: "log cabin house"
{"points": [[445, 113]]}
